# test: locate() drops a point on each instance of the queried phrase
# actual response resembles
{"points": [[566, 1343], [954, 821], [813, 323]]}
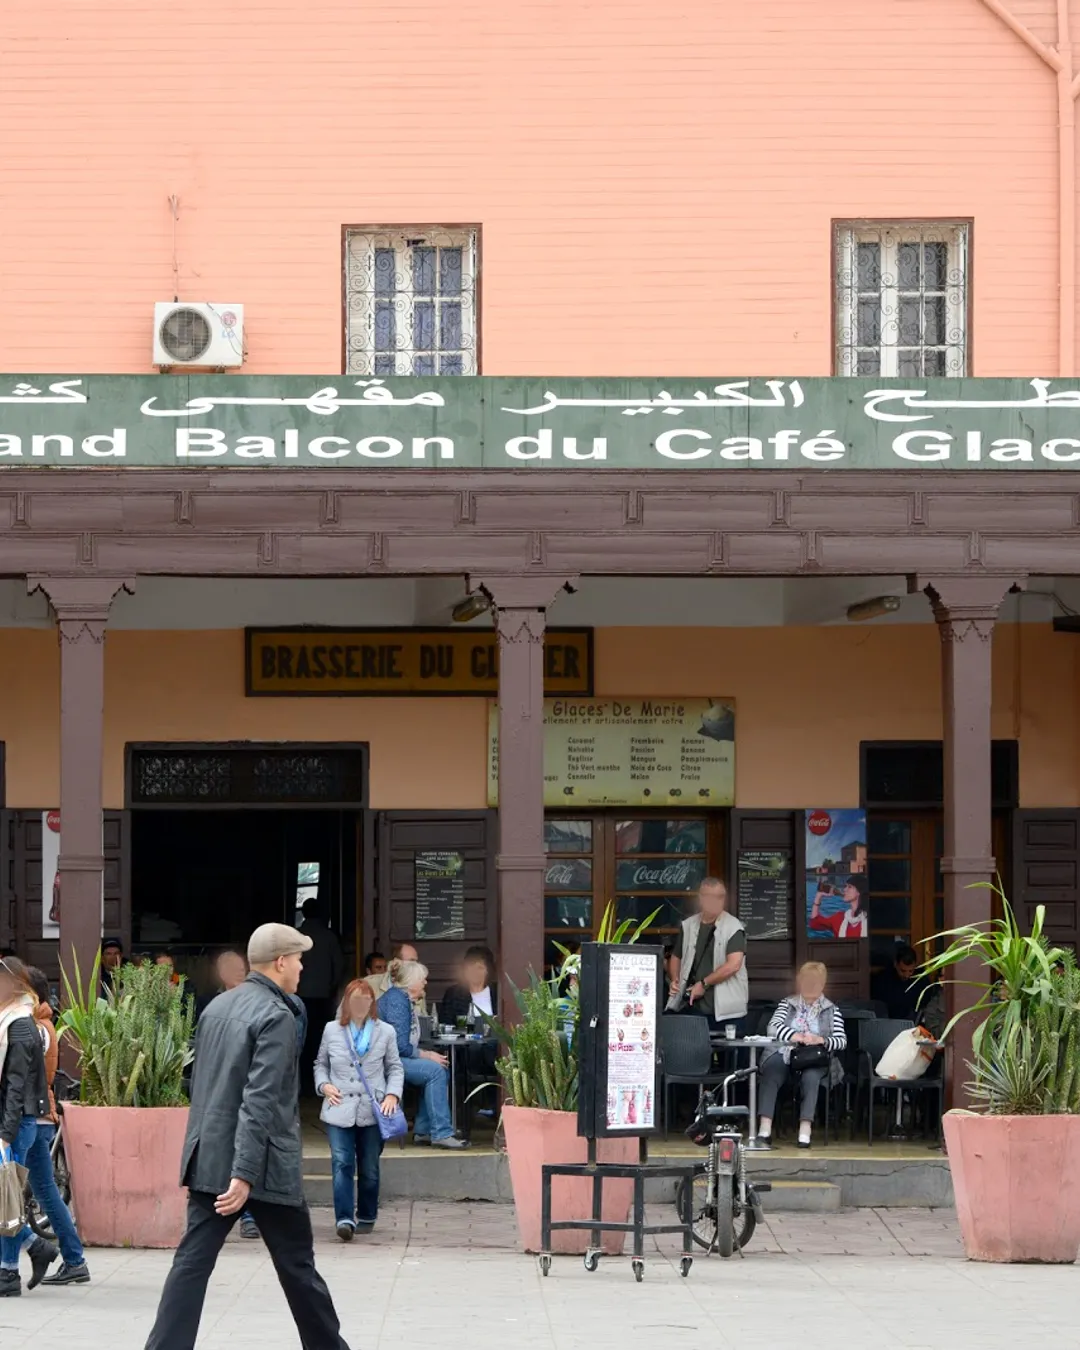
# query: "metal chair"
{"points": [[686, 1056], [874, 1039]]}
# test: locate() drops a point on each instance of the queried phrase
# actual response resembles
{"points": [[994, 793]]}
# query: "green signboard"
{"points": [[206, 421]]}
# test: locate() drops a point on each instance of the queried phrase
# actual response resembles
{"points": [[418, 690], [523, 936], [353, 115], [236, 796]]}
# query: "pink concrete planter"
{"points": [[125, 1165], [1017, 1185], [535, 1137]]}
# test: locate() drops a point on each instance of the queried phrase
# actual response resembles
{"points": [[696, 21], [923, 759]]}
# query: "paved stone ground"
{"points": [[446, 1277]]}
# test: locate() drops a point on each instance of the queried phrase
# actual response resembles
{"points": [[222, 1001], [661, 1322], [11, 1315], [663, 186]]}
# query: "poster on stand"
{"points": [[837, 888], [631, 1047]]}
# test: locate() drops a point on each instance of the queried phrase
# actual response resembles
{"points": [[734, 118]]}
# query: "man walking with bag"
{"points": [[242, 1150]]}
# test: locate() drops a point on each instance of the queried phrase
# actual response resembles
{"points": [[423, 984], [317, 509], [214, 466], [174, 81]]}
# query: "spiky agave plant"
{"points": [[134, 1041], [1026, 1045]]}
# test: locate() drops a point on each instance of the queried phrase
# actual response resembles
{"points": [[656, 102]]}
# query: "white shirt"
{"points": [[482, 1001]]}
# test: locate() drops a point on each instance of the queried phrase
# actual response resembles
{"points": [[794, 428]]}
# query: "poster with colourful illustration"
{"points": [[631, 1052], [836, 874], [50, 875]]}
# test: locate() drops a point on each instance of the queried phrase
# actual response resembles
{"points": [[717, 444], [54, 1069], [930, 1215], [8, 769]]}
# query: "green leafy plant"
{"points": [[540, 1066], [134, 1041], [1025, 1048]]}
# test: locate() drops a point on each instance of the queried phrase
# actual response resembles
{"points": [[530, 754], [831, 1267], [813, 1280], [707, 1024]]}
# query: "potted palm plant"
{"points": [[125, 1135], [1015, 1159], [539, 1118]]}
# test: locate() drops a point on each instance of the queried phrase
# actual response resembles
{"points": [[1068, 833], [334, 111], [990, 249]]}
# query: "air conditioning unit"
{"points": [[189, 334]]}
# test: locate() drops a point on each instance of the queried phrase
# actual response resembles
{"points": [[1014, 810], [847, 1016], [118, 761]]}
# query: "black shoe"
{"points": [[249, 1229], [345, 1231], [79, 1274], [10, 1284], [365, 1227], [42, 1254], [803, 1143]]}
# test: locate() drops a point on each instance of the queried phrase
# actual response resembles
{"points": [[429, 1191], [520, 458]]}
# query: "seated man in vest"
{"points": [[708, 965]]}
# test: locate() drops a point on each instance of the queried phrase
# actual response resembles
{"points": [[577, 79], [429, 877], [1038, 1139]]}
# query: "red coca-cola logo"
{"points": [[52, 819], [820, 822]]}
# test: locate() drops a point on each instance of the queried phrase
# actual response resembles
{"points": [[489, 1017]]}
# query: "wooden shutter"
{"points": [[26, 884], [400, 835], [1046, 870]]}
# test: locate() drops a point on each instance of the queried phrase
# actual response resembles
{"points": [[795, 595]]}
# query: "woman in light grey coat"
{"points": [[355, 1042]]}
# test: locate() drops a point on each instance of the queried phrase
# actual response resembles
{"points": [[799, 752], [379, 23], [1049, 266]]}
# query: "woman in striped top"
{"points": [[808, 1018]]}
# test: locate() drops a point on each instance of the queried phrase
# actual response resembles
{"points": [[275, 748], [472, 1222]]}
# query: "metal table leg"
{"points": [[752, 1142], [453, 1089]]}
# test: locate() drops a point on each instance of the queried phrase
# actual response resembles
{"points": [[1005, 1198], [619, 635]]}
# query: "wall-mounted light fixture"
{"points": [[873, 609], [471, 607]]}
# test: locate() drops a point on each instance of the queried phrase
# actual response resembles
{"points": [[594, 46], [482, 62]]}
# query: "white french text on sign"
{"points": [[632, 752], [291, 421]]}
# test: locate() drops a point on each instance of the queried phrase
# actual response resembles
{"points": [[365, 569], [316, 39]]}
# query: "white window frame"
{"points": [[362, 301], [890, 235]]}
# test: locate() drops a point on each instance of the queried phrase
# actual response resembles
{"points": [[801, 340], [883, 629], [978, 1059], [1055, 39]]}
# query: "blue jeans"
{"points": [[355, 1150], [433, 1118], [47, 1194], [10, 1247]]}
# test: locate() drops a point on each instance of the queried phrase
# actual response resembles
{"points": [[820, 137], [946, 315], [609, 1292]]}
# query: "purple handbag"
{"points": [[392, 1126]]}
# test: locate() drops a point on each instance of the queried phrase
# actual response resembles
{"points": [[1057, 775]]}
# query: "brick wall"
{"points": [[655, 182]]}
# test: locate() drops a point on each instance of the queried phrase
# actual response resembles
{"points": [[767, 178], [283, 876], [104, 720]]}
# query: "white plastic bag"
{"points": [[904, 1058]]}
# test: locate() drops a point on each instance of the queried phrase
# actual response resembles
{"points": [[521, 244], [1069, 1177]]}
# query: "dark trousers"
{"points": [[286, 1230], [319, 1012]]}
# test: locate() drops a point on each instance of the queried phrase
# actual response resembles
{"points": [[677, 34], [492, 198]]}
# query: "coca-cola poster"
{"points": [[50, 875], [837, 885]]}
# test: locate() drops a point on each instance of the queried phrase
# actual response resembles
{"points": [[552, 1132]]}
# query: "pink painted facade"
{"points": [[655, 186]]}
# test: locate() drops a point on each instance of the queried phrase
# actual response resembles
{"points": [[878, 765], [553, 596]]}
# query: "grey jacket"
{"points": [[334, 1064], [245, 1117]]}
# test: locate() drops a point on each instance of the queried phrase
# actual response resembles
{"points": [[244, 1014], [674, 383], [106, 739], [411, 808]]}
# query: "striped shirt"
{"points": [[783, 1024]]}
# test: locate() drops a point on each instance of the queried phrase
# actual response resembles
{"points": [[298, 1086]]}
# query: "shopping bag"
{"points": [[12, 1193], [904, 1057]]}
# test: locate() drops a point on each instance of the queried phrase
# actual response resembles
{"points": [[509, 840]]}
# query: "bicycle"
{"points": [[723, 1202], [65, 1088]]}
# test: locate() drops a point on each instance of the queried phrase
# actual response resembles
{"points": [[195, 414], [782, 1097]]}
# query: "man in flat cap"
{"points": [[242, 1151]]}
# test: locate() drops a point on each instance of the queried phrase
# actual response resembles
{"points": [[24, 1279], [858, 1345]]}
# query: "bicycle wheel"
{"points": [[742, 1221]]}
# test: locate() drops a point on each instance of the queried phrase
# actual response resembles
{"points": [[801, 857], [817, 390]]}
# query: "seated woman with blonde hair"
{"points": [[812, 1031], [425, 1069]]}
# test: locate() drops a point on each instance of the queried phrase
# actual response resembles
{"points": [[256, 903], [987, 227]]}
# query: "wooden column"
{"points": [[81, 606], [519, 605], [966, 609]]}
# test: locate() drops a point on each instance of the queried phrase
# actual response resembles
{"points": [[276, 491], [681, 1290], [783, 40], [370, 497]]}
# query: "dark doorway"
{"points": [[203, 879]]}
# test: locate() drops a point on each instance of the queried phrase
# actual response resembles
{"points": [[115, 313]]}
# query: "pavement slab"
{"points": [[436, 1273]]}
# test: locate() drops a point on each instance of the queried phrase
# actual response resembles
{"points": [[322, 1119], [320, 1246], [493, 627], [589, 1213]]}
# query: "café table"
{"points": [[452, 1047], [753, 1044]]}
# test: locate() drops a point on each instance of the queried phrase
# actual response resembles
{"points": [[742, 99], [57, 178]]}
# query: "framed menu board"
{"points": [[621, 1001], [440, 896], [765, 891]]}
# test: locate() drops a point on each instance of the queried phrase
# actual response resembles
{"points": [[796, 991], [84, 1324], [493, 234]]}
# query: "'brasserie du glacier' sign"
{"points": [[206, 421]]}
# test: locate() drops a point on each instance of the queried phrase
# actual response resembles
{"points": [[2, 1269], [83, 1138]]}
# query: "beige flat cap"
{"points": [[271, 940]]}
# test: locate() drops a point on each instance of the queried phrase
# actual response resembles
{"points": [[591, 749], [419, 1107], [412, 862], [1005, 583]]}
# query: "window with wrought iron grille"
{"points": [[902, 298], [410, 304]]}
